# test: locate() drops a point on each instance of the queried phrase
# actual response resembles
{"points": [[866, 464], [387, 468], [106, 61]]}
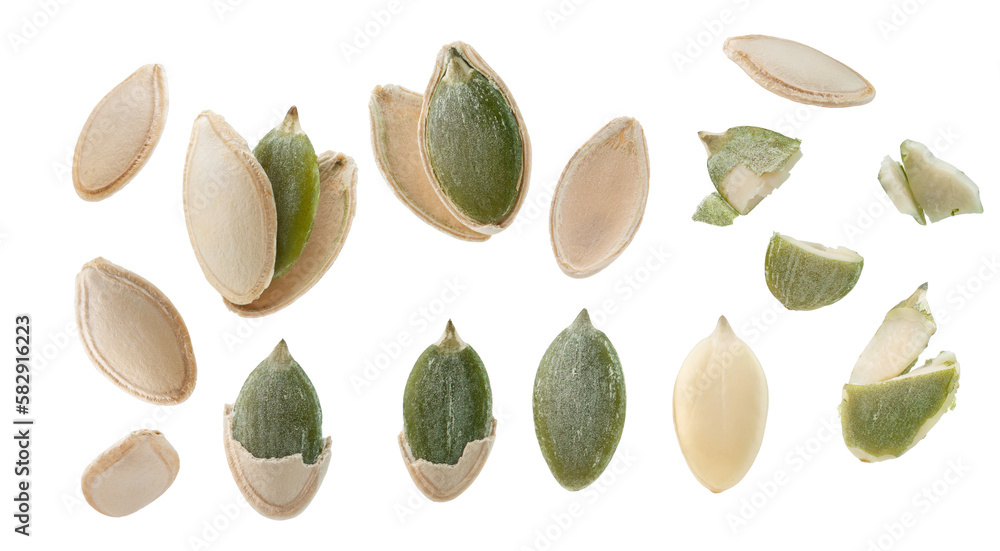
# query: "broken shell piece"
{"points": [[714, 210], [797, 72], [395, 112], [334, 214], [894, 182], [938, 187], [747, 163], [600, 199], [131, 474], [120, 134], [444, 482], [898, 342]]}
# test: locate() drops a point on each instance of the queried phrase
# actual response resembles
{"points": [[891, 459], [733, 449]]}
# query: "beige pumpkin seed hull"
{"points": [[440, 482], [131, 474]]}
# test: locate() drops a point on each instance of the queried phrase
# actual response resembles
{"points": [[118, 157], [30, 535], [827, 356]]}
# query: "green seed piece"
{"points": [[289, 160], [579, 404], [807, 276], [277, 413], [714, 210], [447, 402], [473, 141], [747, 163], [884, 420]]}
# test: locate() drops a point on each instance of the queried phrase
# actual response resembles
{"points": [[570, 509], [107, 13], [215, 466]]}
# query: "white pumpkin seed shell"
{"points": [[131, 474]]}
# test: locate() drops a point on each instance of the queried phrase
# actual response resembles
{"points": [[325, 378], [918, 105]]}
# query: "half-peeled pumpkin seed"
{"points": [[273, 437], [600, 199], [134, 334], [120, 134], [395, 112], [334, 214], [797, 72], [473, 142], [720, 408], [448, 424], [130, 474], [579, 404]]}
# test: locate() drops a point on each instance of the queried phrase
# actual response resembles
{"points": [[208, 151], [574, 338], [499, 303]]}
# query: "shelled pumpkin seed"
{"points": [[924, 184]]}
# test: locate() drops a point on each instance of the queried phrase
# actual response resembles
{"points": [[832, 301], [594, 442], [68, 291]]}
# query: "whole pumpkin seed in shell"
{"points": [[134, 334], [289, 160], [395, 113], [120, 134], [334, 214], [797, 72], [579, 404], [600, 199], [130, 474], [448, 424], [473, 142], [273, 439], [720, 408], [230, 211]]}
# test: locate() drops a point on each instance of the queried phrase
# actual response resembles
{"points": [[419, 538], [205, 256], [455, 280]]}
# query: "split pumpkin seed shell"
{"points": [[897, 187], [289, 160], [797, 72], [883, 420], [230, 211], [600, 199], [334, 214], [940, 189], [131, 474], [898, 342], [720, 408], [134, 334], [448, 424], [579, 404], [273, 437], [395, 114], [473, 142], [747, 163], [807, 276], [120, 134]]}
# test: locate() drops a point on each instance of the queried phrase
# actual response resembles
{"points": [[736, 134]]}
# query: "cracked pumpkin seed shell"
{"points": [[448, 424], [747, 163], [273, 437], [289, 160], [579, 404], [131, 474], [473, 142], [334, 214]]}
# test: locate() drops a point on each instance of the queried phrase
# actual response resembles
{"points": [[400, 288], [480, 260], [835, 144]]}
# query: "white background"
{"points": [[932, 65]]}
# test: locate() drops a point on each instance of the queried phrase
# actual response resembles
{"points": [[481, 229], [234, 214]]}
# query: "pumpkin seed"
{"points": [[134, 334], [807, 276], [334, 214], [600, 199], [273, 439], [579, 404], [448, 424], [897, 187], [131, 474], [473, 142], [898, 342], [120, 134], [230, 211], [940, 189], [720, 408], [289, 160], [797, 72], [714, 210], [395, 112]]}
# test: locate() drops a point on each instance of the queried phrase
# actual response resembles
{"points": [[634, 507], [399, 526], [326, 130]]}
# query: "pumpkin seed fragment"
{"points": [[130, 474], [448, 424], [289, 160], [720, 408], [714, 210], [807, 276], [473, 142], [133, 334], [797, 72], [273, 438], [600, 199], [897, 187], [898, 342], [940, 189], [579, 404], [120, 134], [395, 114], [747, 163]]}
